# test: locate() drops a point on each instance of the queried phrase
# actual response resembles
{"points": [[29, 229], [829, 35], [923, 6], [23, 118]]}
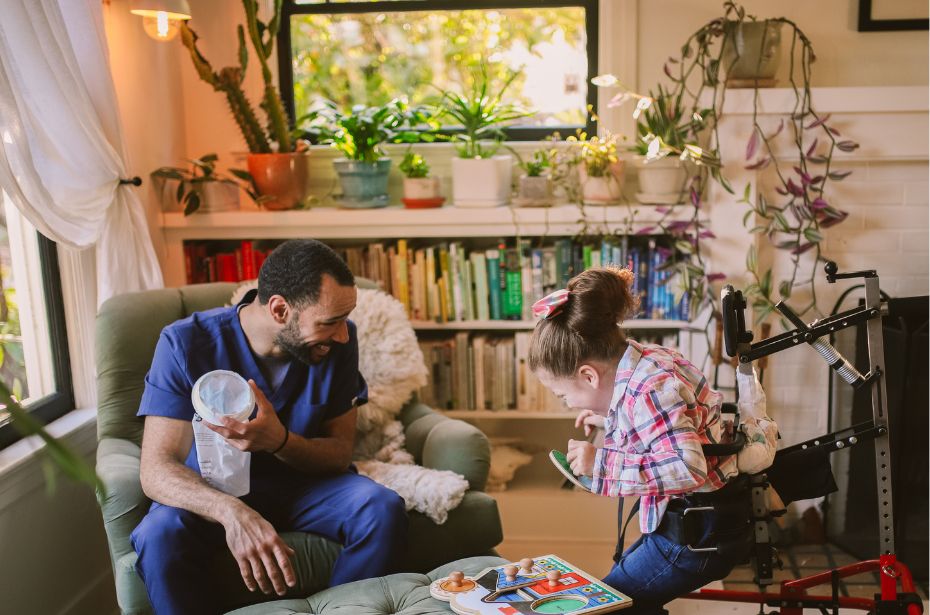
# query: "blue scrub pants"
{"points": [[175, 546]]}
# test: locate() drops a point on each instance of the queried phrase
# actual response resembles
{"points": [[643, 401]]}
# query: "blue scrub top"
{"points": [[309, 396]]}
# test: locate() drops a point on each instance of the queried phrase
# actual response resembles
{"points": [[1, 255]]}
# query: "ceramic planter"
{"points": [[661, 181], [481, 182], [214, 196], [283, 178], [422, 192], [364, 184], [603, 190], [534, 191], [751, 53], [218, 196]]}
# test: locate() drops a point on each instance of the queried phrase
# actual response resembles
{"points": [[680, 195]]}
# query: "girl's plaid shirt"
{"points": [[661, 413]]}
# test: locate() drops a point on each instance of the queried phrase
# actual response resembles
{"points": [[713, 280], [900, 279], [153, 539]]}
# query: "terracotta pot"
{"points": [[284, 177]]}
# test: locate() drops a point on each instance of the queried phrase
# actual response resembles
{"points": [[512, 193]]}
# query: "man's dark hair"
{"points": [[295, 270]]}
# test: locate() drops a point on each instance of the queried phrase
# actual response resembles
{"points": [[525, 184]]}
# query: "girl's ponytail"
{"points": [[585, 326]]}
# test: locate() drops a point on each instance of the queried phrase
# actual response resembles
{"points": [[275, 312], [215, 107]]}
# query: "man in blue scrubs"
{"points": [[293, 341]]}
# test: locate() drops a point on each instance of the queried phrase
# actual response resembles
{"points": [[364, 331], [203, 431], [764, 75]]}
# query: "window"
{"points": [[360, 52], [34, 361]]}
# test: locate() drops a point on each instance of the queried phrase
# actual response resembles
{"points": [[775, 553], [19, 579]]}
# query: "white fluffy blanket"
{"points": [[392, 364]]}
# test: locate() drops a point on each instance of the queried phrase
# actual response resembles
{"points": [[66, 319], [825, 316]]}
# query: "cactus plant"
{"points": [[228, 80]]}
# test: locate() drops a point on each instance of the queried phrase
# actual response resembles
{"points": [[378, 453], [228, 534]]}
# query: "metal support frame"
{"points": [[792, 597]]}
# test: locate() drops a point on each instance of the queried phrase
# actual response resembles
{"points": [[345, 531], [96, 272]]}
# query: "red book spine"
{"points": [[248, 261], [188, 264], [259, 260], [226, 270], [240, 266]]}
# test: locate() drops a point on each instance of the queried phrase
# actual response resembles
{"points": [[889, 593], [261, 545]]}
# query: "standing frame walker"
{"points": [[792, 597]]}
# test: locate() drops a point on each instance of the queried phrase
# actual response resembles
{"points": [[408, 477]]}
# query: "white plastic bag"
{"points": [[223, 466]]}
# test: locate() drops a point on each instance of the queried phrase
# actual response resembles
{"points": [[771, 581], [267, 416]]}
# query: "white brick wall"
{"points": [[887, 229]]}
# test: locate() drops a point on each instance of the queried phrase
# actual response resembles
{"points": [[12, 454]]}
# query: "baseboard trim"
{"points": [[99, 598]]}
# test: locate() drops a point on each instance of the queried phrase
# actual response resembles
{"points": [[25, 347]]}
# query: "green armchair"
{"points": [[127, 330]]}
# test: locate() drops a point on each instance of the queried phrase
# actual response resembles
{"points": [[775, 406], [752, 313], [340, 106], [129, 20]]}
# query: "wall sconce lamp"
{"points": [[161, 19]]}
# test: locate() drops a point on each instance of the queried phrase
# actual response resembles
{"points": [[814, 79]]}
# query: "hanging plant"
{"points": [[794, 216]]}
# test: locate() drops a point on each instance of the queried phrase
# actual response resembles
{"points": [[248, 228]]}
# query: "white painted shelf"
{"points": [[398, 222], [507, 414], [523, 325]]}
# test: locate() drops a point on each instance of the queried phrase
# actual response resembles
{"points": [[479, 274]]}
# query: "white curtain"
{"points": [[61, 148]]}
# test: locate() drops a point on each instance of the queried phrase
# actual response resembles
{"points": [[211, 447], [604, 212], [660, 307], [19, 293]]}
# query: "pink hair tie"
{"points": [[551, 304]]}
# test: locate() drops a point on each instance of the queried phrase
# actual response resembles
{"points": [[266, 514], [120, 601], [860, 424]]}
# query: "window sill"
{"points": [[20, 463]]}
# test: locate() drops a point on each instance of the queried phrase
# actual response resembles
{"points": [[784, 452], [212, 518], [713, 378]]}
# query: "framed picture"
{"points": [[890, 15]]}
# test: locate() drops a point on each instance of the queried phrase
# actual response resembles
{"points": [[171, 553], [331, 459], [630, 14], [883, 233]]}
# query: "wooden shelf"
{"points": [[508, 414], [395, 221], [524, 325]]}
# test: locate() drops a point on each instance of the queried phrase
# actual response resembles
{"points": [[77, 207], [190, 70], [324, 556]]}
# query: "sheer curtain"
{"points": [[61, 148]]}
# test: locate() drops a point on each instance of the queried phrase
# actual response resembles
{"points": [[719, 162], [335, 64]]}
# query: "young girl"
{"points": [[657, 410]]}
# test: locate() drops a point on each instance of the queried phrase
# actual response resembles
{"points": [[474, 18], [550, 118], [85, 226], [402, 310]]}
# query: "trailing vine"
{"points": [[794, 215]]}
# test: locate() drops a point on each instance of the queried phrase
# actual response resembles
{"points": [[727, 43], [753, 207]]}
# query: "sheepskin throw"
{"points": [[392, 364]]}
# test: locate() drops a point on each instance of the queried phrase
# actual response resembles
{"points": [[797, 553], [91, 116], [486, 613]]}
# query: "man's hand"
{"points": [[590, 420], [580, 457], [263, 433], [263, 557]]}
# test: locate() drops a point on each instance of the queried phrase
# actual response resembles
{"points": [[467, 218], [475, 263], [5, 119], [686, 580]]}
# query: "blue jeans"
{"points": [[176, 546], [656, 570]]}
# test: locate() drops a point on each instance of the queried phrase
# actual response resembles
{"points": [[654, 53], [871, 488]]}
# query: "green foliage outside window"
{"points": [[371, 58]]}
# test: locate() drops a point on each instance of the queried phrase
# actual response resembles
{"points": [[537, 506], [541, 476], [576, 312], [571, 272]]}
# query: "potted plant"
{"points": [[199, 187], [420, 189], [535, 187], [663, 134], [600, 168], [277, 161], [359, 135], [751, 52], [481, 177]]}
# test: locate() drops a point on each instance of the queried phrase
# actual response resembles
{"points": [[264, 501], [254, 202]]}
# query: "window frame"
{"points": [[290, 8], [59, 403]]}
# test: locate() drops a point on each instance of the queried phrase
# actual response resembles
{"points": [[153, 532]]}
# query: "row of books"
{"points": [[482, 372], [224, 263], [489, 372], [447, 282]]}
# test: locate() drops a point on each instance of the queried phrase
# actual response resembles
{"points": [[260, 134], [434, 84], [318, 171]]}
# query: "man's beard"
{"points": [[289, 339]]}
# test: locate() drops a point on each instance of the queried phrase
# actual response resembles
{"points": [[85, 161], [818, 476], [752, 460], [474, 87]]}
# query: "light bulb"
{"points": [[161, 27], [161, 19]]}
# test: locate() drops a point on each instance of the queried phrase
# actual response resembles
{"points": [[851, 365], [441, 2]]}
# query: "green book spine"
{"points": [[495, 300], [587, 253], [480, 268], [513, 295]]}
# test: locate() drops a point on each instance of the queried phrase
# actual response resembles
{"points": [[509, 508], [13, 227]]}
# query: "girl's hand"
{"points": [[590, 420], [580, 457]]}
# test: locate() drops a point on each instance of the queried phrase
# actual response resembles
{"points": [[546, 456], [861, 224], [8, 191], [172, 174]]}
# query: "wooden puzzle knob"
{"points": [[457, 577], [553, 576], [510, 572], [527, 565]]}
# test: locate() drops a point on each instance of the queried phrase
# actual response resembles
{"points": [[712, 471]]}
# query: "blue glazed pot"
{"points": [[364, 184]]}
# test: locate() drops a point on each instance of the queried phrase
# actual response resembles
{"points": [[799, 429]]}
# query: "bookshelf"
{"points": [[328, 223], [533, 419]]}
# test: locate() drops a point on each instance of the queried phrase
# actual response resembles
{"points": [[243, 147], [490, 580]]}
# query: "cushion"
{"points": [[403, 594]]}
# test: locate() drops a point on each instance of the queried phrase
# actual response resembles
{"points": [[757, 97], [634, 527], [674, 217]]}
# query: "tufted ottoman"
{"points": [[405, 593]]}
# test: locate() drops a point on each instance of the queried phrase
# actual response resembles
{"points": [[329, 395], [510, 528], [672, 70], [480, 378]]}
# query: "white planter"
{"points": [[661, 181], [481, 182], [420, 188], [218, 196], [603, 190], [214, 196]]}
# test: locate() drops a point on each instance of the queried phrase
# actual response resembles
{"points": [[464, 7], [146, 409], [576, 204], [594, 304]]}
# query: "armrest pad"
{"points": [[124, 504], [442, 443]]}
